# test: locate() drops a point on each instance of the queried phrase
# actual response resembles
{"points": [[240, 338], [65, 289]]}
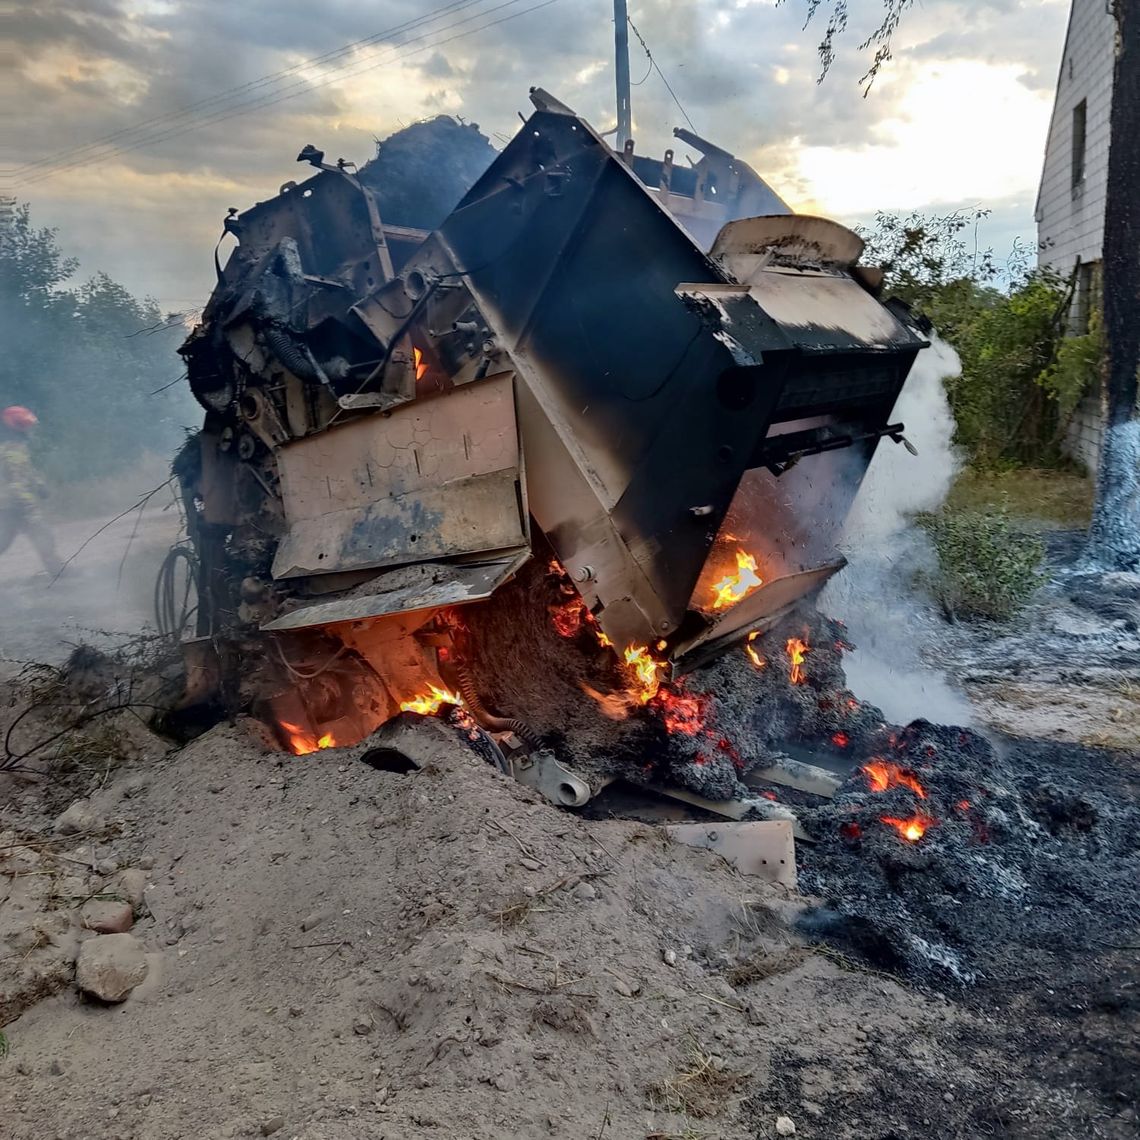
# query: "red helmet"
{"points": [[18, 418]]}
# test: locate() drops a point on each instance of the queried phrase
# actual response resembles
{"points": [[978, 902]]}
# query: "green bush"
{"points": [[987, 568]]}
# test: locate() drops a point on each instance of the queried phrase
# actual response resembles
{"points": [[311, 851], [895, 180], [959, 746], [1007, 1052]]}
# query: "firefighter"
{"points": [[21, 489]]}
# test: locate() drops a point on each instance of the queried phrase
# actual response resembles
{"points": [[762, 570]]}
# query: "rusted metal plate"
{"points": [[765, 848], [442, 584], [433, 479]]}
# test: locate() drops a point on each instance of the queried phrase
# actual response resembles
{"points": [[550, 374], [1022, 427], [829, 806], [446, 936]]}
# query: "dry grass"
{"points": [[700, 1090], [1052, 499], [761, 966]]}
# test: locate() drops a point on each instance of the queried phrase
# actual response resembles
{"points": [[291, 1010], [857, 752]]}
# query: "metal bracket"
{"points": [[541, 771]]}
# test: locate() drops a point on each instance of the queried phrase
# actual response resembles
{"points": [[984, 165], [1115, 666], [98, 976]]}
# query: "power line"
{"points": [[224, 96], [653, 64], [299, 88]]}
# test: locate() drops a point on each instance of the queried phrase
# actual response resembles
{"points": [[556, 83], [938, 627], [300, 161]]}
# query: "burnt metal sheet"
{"points": [[757, 611], [747, 245], [435, 478], [765, 848], [442, 584]]}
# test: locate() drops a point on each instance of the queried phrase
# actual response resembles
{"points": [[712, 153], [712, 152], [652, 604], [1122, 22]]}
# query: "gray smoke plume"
{"points": [[875, 596]]}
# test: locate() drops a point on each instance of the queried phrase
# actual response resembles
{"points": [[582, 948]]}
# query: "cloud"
{"points": [[958, 115]]}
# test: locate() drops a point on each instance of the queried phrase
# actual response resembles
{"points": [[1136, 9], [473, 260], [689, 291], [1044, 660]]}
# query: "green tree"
{"points": [[87, 358]]}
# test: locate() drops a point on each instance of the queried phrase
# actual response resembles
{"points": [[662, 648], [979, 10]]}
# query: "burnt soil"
{"points": [[338, 950]]}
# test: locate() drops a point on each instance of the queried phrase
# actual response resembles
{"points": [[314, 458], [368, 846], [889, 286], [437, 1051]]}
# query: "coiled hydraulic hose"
{"points": [[477, 709]]}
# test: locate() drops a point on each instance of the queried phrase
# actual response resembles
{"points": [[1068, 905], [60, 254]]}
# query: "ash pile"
{"points": [[937, 853]]}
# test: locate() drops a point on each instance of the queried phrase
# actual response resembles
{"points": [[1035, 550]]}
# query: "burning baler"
{"points": [[397, 421]]}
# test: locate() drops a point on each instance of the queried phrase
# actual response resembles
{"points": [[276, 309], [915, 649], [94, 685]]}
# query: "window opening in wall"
{"points": [[1080, 121]]}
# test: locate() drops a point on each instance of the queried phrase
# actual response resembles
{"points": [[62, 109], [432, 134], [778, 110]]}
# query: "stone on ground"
{"points": [[110, 966]]}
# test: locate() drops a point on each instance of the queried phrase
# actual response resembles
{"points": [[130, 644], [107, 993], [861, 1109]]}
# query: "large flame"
{"points": [[912, 829], [429, 703], [796, 650], [883, 774], [733, 587], [305, 743]]}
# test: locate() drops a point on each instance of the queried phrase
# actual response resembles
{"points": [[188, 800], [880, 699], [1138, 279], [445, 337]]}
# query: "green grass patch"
{"points": [[1043, 499]]}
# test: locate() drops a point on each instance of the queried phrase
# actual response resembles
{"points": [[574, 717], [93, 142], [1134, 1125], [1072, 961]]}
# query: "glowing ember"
{"points": [[796, 650], [569, 617], [431, 703], [421, 365], [753, 656], [883, 774], [682, 713], [645, 670], [840, 739], [731, 589], [303, 743], [913, 829]]}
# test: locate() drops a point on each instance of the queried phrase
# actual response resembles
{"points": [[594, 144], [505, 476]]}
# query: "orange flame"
{"points": [[796, 650], [913, 829], [753, 656], [421, 365], [732, 588], [430, 703], [304, 743], [646, 671], [882, 774]]}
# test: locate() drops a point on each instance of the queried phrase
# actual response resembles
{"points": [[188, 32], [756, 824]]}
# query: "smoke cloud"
{"points": [[875, 595]]}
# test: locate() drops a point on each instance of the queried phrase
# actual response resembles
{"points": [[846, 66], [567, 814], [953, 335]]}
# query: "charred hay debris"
{"points": [[944, 855]]}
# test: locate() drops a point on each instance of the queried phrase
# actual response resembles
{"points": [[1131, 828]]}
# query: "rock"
{"points": [[273, 1124], [78, 818], [530, 864], [131, 884], [811, 1108], [108, 917], [669, 956], [362, 1026], [316, 918], [110, 966], [584, 892], [505, 1082], [147, 862], [785, 1126]]}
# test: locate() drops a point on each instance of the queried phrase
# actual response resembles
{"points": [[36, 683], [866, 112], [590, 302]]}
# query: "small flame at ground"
{"points": [[732, 588], [304, 743], [883, 774], [796, 650], [430, 703], [753, 656], [913, 829], [421, 365]]}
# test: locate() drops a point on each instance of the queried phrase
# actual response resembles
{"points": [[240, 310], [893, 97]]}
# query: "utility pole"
{"points": [[621, 44]]}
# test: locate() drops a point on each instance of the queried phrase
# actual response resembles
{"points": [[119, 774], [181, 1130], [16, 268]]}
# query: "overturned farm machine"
{"points": [[652, 382]]}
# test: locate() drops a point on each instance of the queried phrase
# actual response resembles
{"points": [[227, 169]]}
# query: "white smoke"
{"points": [[875, 595]]}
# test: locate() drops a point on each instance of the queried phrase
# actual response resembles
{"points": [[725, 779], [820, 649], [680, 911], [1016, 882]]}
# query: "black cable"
{"points": [[668, 87]]}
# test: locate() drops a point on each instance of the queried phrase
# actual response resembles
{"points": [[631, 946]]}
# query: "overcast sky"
{"points": [[959, 117]]}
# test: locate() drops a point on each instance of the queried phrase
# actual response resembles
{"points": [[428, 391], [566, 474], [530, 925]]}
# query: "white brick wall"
{"points": [[1070, 224]]}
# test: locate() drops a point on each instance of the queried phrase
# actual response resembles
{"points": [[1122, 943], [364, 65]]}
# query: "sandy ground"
{"points": [[338, 952]]}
